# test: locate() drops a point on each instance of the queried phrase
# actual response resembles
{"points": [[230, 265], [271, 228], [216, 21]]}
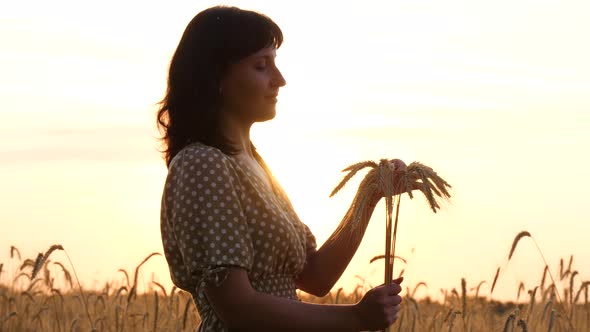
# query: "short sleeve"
{"points": [[206, 218]]}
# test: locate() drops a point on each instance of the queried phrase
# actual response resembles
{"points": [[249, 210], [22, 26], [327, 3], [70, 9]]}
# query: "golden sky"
{"points": [[495, 96]]}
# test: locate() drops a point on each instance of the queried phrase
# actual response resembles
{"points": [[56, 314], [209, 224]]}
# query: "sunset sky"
{"points": [[494, 95]]}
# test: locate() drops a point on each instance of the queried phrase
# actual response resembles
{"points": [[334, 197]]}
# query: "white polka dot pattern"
{"points": [[218, 212]]}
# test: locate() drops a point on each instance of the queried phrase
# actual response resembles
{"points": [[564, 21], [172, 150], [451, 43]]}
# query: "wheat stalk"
{"points": [[495, 280], [126, 276], [515, 242], [551, 320], [383, 257], [185, 314], [543, 280], [521, 288], [156, 306], [421, 283], [463, 297], [67, 274], [532, 294], [509, 325], [522, 325], [477, 288], [569, 265], [389, 179], [14, 250], [42, 258], [133, 290], [584, 285], [571, 291], [563, 274], [161, 287]]}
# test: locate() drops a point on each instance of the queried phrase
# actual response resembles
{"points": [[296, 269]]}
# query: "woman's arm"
{"points": [[325, 266], [241, 307]]}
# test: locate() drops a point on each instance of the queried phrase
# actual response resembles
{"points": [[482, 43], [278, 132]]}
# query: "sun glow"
{"points": [[499, 110]]}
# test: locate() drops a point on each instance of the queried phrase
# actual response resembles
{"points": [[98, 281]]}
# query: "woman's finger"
{"points": [[394, 281], [393, 301], [394, 289]]}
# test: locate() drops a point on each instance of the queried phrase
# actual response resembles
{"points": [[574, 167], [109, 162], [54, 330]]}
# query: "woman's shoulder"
{"points": [[199, 153]]}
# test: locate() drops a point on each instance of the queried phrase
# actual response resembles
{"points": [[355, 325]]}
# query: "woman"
{"points": [[230, 234]]}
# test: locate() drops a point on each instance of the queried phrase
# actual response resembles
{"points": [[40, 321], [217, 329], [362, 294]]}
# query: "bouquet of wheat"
{"points": [[389, 179]]}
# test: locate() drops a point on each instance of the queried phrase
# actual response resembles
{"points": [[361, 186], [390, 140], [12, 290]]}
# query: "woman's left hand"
{"points": [[399, 169]]}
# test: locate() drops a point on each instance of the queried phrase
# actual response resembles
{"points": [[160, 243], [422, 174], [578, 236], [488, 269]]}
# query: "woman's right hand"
{"points": [[380, 306]]}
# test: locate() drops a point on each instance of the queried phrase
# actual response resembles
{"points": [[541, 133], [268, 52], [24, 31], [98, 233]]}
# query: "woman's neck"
{"points": [[238, 132]]}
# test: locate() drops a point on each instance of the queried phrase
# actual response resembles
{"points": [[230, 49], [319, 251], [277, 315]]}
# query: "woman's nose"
{"points": [[278, 79]]}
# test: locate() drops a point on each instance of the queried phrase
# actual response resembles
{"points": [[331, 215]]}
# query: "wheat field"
{"points": [[44, 295]]}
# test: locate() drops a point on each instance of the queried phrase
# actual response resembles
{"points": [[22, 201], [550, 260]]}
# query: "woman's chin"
{"points": [[268, 115]]}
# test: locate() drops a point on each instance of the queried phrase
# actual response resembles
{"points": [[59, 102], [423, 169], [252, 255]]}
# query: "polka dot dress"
{"points": [[217, 212]]}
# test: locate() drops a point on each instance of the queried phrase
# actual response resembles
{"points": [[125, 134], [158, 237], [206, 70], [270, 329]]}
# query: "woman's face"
{"points": [[250, 87]]}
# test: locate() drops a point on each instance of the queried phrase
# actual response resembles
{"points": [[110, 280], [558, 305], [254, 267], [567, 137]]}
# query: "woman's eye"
{"points": [[260, 67]]}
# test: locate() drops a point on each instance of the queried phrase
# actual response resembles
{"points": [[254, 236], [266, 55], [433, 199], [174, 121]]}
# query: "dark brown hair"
{"points": [[215, 38]]}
